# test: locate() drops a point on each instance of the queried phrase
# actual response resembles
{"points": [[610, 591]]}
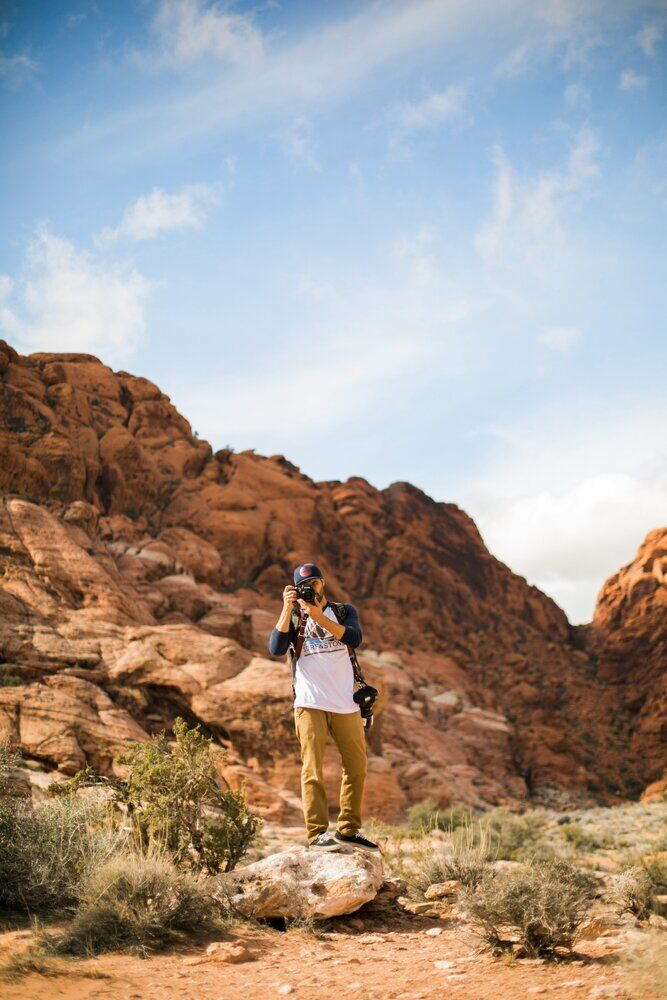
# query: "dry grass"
{"points": [[138, 902], [539, 907]]}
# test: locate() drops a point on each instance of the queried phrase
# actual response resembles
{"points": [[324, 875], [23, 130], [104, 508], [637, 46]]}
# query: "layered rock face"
{"points": [[141, 575], [629, 639]]}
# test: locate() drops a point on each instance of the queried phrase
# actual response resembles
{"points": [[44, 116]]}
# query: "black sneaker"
{"points": [[356, 840], [323, 842]]}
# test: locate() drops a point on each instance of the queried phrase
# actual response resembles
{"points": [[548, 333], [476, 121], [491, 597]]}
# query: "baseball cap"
{"points": [[307, 571]]}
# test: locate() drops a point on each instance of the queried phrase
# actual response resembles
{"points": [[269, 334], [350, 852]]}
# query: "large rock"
{"points": [[300, 883]]}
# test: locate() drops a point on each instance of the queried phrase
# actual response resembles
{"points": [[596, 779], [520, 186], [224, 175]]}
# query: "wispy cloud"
{"points": [[431, 110], [185, 32], [297, 143], [649, 36], [18, 69], [161, 211], [560, 338], [630, 80], [67, 300], [526, 222], [279, 75]]}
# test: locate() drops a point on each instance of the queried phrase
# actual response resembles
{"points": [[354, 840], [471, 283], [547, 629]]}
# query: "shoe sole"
{"points": [[334, 847], [358, 847]]}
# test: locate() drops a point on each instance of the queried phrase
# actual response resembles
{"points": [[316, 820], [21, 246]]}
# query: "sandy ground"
{"points": [[367, 956], [388, 954]]}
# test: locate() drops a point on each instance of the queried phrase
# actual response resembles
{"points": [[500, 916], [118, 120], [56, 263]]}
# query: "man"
{"points": [[323, 706]]}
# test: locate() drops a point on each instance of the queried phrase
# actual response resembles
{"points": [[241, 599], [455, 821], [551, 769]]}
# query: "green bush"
{"points": [[173, 800], [428, 815], [137, 902], [543, 904], [46, 851]]}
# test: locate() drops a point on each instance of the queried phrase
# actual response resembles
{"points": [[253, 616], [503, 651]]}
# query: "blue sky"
{"points": [[413, 241]]}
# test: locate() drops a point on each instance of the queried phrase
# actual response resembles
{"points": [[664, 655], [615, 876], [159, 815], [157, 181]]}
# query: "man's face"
{"points": [[318, 585]]}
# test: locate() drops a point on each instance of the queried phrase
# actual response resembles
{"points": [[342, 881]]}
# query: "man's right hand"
{"points": [[289, 596]]}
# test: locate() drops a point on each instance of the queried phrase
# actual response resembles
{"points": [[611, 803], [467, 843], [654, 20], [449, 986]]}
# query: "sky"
{"points": [[412, 241]]}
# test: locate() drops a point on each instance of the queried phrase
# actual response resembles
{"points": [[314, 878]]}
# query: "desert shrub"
{"points": [[46, 851], [655, 866], [574, 834], [10, 758], [464, 859], [172, 799], [137, 902], [11, 680], [634, 892], [515, 837], [428, 815], [543, 904]]}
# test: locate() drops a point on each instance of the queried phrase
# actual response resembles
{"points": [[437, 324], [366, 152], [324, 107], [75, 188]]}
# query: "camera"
{"points": [[364, 698], [306, 592]]}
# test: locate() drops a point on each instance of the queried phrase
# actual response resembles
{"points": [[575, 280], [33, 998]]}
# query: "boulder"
{"points": [[299, 883]]}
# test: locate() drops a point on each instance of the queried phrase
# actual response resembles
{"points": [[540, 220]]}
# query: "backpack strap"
{"points": [[340, 612]]}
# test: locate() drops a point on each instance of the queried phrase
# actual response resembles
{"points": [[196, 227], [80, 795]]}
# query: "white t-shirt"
{"points": [[324, 677]]}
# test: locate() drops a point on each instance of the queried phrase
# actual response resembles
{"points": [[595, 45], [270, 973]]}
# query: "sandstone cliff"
{"points": [[141, 574]]}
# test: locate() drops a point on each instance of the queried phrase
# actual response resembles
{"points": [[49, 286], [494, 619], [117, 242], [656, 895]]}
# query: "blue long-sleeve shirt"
{"points": [[279, 641]]}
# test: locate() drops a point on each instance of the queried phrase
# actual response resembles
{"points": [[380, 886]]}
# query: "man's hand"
{"points": [[289, 596], [315, 610]]}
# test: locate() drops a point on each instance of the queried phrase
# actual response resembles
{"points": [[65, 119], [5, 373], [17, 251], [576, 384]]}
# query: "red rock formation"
{"points": [[136, 560], [629, 638]]}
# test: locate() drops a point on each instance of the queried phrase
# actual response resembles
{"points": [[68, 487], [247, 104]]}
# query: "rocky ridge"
{"points": [[141, 574]]}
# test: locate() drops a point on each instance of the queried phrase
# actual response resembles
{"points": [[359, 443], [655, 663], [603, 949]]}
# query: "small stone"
{"points": [[370, 939], [228, 951], [433, 931], [536, 989], [441, 889], [607, 990], [285, 988], [573, 984], [195, 960], [442, 963]]}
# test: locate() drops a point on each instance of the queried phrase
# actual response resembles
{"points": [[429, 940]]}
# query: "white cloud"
{"points": [[187, 31], [431, 110], [570, 494], [630, 80], [525, 225], [576, 95], [650, 165], [570, 542], [516, 62], [560, 338], [17, 69], [160, 211], [331, 60], [69, 301], [297, 144], [308, 287], [648, 38]]}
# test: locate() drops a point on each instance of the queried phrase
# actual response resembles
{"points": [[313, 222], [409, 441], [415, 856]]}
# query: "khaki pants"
{"points": [[313, 726]]}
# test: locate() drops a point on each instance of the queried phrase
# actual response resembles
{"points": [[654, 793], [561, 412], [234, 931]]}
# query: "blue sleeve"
{"points": [[352, 634], [279, 641]]}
